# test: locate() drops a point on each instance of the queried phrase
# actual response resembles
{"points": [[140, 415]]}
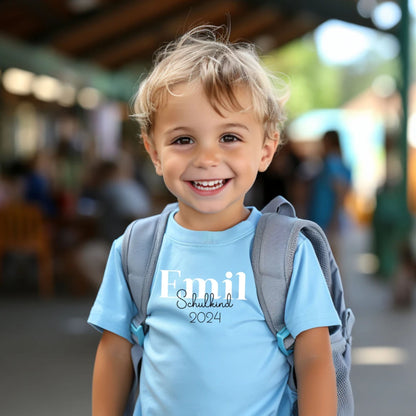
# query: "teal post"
{"points": [[392, 217], [404, 91]]}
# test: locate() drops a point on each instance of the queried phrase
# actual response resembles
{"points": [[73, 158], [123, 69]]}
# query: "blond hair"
{"points": [[206, 55]]}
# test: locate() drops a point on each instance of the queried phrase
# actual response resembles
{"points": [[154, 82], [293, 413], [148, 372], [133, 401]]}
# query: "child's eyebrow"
{"points": [[236, 125], [224, 126], [176, 129]]}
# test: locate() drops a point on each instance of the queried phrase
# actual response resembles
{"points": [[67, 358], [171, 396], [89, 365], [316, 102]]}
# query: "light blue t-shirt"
{"points": [[208, 350]]}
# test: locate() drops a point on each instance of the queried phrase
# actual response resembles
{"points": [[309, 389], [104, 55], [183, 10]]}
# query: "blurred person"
{"points": [[210, 119], [38, 184], [115, 198], [329, 189], [120, 198], [20, 265], [12, 182], [393, 233], [281, 178], [405, 275], [68, 173]]}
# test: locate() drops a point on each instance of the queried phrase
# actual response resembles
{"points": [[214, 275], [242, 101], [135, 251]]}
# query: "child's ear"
{"points": [[151, 150], [268, 151]]}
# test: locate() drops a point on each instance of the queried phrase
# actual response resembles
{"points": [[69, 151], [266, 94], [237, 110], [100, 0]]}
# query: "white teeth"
{"points": [[208, 185]]}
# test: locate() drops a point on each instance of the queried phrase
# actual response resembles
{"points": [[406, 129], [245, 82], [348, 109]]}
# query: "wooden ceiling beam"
{"points": [[24, 18], [59, 8], [292, 29], [345, 10], [110, 23], [141, 45], [20, 25], [249, 26]]}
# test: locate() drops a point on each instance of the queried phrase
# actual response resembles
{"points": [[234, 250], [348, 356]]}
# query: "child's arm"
{"points": [[113, 375], [315, 374]]}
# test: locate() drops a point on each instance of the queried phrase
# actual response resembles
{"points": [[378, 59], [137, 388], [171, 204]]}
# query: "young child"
{"points": [[210, 120]]}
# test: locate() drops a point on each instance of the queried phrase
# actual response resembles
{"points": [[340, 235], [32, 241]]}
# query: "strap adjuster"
{"points": [[137, 333], [281, 337]]}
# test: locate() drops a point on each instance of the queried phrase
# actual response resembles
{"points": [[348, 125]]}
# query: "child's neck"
{"points": [[209, 222]]}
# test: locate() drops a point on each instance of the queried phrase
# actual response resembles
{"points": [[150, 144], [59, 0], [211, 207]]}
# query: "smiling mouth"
{"points": [[212, 185]]}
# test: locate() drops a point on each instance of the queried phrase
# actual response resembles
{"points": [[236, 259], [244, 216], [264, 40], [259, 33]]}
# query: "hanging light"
{"points": [[89, 98], [17, 81], [46, 88], [67, 95]]}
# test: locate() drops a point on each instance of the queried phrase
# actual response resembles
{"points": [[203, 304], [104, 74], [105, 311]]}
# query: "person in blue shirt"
{"points": [[329, 190], [211, 118], [330, 186]]}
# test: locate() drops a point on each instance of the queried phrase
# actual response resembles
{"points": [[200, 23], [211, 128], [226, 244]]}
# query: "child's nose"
{"points": [[207, 156]]}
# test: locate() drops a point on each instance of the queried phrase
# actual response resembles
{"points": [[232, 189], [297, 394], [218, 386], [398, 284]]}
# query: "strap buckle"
{"points": [[137, 333], [281, 336]]}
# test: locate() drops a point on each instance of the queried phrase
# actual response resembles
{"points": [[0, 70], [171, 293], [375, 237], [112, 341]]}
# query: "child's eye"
{"points": [[183, 140], [229, 138]]}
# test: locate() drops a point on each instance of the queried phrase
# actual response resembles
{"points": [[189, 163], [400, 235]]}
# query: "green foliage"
{"points": [[312, 84]]}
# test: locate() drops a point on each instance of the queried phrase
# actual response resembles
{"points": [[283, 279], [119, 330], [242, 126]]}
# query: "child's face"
{"points": [[208, 161]]}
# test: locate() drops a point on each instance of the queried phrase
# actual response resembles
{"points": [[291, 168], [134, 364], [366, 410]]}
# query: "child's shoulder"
{"points": [[118, 243]]}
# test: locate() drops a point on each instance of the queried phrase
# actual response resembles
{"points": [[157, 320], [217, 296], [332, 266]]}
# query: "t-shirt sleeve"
{"points": [[113, 308], [308, 304]]}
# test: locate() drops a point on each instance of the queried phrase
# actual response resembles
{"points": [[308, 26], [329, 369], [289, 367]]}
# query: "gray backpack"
{"points": [[272, 257]]}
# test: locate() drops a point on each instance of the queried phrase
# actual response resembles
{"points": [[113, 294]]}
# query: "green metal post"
{"points": [[404, 37], [392, 217]]}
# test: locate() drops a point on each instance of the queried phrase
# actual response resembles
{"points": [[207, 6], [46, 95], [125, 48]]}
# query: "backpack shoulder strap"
{"points": [[272, 256], [272, 266], [314, 233], [273, 252], [280, 205], [140, 250]]}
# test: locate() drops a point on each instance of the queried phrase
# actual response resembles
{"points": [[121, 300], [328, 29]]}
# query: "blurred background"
{"points": [[73, 172]]}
